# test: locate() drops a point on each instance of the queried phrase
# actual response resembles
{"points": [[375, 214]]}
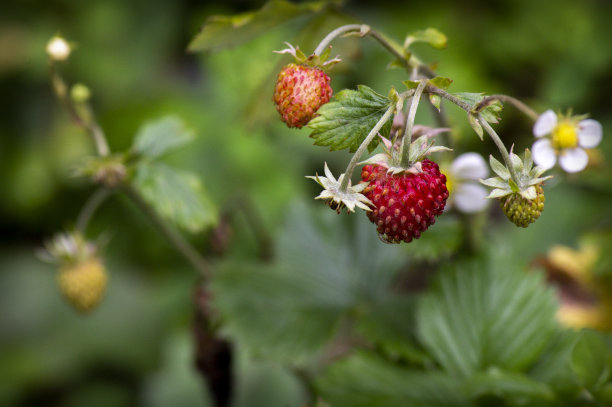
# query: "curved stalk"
{"points": [[364, 145], [501, 147], [404, 152], [336, 33], [90, 207]]}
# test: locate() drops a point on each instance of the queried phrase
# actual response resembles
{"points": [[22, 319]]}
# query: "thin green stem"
{"points": [[532, 114], [364, 145], [88, 124], [448, 96], [501, 147], [179, 242], [336, 33], [404, 152], [90, 208]]}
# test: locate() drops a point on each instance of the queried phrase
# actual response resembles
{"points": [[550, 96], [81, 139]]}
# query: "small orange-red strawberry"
{"points": [[300, 91], [405, 204]]}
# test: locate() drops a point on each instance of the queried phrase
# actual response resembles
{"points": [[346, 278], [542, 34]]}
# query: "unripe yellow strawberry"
{"points": [[83, 283], [522, 211]]}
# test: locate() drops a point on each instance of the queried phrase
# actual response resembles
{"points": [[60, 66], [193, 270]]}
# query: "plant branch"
{"points": [[90, 207], [364, 145], [178, 240], [532, 114]]}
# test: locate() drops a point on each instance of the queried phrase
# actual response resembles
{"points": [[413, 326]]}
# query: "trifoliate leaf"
{"points": [[289, 311], [486, 313], [177, 196], [363, 380], [227, 31], [345, 122], [431, 36], [158, 137]]}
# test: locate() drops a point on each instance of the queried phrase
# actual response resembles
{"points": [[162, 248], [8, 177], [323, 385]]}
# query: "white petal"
{"points": [[543, 154], [545, 123], [470, 198], [589, 133], [469, 166], [573, 160]]}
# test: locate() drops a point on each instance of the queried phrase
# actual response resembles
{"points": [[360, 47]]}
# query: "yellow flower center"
{"points": [[564, 136], [449, 180]]}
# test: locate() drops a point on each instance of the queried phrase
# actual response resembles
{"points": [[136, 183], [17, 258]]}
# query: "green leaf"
{"points": [[508, 386], [227, 31], [430, 36], [486, 312], [491, 113], [363, 380], [346, 122], [590, 360], [441, 82], [389, 325], [177, 196], [158, 137], [441, 240], [435, 100], [288, 311]]}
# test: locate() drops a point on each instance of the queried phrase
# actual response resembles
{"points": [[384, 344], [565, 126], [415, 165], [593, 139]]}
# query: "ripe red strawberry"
{"points": [[405, 204], [300, 91]]}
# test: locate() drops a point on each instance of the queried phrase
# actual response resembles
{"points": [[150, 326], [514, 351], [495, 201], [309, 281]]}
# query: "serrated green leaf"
{"points": [[590, 358], [509, 386], [441, 240], [364, 380], [177, 196], [476, 125], [289, 311], [346, 122], [227, 31], [160, 136], [430, 36], [486, 313]]}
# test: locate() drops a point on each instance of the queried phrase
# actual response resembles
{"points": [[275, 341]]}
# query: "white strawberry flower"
{"points": [[462, 176], [58, 49], [564, 138]]}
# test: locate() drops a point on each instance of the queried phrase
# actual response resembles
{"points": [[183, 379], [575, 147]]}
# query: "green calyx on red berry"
{"points": [[336, 198]]}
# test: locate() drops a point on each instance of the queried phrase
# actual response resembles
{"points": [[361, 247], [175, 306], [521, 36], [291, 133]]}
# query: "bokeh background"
{"points": [[137, 348]]}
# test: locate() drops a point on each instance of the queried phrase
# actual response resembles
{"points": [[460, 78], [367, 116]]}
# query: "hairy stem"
{"points": [[90, 207], [501, 147], [88, 124], [404, 152], [178, 240], [364, 145], [532, 114], [336, 33]]}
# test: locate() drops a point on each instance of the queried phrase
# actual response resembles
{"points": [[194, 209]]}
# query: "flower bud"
{"points": [[58, 49], [80, 93]]}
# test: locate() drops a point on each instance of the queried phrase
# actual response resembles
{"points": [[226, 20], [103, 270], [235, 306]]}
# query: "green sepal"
{"points": [[476, 125], [430, 36]]}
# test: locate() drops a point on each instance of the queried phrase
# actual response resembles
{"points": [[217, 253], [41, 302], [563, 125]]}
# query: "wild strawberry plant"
{"points": [[330, 305]]}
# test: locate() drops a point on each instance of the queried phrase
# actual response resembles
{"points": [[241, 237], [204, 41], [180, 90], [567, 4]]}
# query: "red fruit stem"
{"points": [[364, 145], [404, 152]]}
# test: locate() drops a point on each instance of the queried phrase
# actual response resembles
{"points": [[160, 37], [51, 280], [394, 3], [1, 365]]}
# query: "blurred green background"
{"points": [[136, 349]]}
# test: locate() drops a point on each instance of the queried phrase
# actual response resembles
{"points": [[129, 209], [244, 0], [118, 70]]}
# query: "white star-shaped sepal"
{"points": [[336, 198]]}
